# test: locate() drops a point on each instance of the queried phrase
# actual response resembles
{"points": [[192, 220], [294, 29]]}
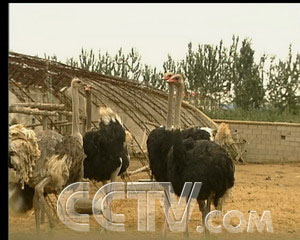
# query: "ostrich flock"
{"points": [[47, 162]]}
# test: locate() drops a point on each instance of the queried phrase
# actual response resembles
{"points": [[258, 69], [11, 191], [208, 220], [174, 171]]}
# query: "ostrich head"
{"points": [[177, 79], [167, 76], [87, 87], [77, 83]]}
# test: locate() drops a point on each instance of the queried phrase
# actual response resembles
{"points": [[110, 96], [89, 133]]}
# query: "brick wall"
{"points": [[268, 141]]}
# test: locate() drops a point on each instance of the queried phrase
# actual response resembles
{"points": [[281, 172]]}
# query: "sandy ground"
{"points": [[258, 187]]}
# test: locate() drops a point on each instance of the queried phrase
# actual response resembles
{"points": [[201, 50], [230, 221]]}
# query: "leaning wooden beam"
{"points": [[41, 106], [142, 169], [66, 113], [33, 111], [30, 111], [66, 123], [40, 124]]}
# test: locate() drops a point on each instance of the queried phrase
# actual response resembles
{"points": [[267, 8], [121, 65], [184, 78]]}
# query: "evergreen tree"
{"points": [[248, 86], [284, 84]]}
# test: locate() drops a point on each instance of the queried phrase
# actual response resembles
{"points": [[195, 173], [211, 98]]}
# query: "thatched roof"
{"points": [[140, 106]]}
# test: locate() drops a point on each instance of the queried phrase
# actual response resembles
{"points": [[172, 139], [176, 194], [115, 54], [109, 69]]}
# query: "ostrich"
{"points": [[24, 144], [21, 194], [157, 151], [105, 148], [23, 154], [63, 168], [199, 160], [160, 140], [159, 144], [194, 132]]}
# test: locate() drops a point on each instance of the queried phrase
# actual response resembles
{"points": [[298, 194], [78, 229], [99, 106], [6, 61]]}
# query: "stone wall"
{"points": [[268, 141]]}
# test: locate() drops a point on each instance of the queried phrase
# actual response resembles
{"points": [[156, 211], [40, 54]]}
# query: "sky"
{"points": [[154, 30]]}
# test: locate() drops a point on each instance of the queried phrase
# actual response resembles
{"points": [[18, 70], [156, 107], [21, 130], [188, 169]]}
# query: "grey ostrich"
{"points": [[63, 168]]}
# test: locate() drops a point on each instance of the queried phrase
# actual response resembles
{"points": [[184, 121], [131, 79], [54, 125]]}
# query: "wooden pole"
{"points": [[41, 106], [44, 123], [33, 111], [40, 124], [44, 119], [142, 169], [30, 111]]}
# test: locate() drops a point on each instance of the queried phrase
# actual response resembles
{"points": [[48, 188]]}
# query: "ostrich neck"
{"points": [[75, 111], [170, 106], [179, 98]]}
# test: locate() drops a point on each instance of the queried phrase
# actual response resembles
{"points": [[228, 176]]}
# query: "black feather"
{"points": [[104, 147], [189, 156]]}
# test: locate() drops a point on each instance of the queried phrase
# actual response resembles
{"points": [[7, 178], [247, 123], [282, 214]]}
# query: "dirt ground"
{"points": [[258, 187]]}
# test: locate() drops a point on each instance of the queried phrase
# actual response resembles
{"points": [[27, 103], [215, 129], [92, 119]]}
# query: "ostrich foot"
{"points": [[186, 235], [164, 230]]}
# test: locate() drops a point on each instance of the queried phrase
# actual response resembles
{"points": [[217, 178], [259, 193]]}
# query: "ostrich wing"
{"points": [[24, 151]]}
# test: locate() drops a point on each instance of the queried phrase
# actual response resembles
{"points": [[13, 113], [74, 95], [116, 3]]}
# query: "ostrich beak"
{"points": [[170, 80], [87, 87]]}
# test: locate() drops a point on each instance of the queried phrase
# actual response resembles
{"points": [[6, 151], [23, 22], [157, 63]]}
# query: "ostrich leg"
{"points": [[40, 204], [202, 208], [205, 209], [42, 216], [186, 233], [167, 207], [123, 177], [220, 207], [113, 179], [37, 212]]}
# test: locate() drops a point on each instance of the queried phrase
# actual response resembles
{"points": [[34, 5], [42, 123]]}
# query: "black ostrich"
{"points": [[199, 160], [179, 156], [158, 145], [106, 149], [159, 140]]}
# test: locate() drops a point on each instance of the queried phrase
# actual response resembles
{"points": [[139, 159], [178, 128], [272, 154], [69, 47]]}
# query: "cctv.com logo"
{"points": [[146, 195]]}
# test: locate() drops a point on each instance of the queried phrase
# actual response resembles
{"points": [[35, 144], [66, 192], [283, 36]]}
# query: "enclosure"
{"points": [[273, 185]]}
